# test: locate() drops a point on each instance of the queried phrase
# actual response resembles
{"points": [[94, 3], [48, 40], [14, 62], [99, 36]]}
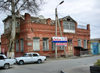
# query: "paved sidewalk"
{"points": [[71, 57]]}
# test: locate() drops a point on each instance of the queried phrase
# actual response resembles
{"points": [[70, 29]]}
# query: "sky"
{"points": [[83, 11]]}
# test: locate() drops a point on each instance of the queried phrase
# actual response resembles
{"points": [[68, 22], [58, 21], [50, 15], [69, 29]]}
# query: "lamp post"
{"points": [[57, 22]]}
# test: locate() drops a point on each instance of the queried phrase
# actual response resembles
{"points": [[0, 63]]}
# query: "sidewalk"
{"points": [[71, 57]]}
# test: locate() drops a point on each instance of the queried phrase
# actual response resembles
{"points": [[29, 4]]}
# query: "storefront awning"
{"points": [[80, 48]]}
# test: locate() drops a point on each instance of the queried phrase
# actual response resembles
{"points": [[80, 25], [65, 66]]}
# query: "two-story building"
{"points": [[35, 34]]}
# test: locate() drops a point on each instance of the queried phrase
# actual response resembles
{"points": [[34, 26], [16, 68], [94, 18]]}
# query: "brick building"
{"points": [[35, 35]]}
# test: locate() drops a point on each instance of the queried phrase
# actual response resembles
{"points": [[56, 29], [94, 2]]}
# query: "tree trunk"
{"points": [[13, 32]]}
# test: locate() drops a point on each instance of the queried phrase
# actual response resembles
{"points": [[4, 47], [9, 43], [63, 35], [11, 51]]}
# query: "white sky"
{"points": [[83, 11]]}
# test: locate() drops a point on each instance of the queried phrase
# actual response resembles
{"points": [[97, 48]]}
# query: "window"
{"points": [[17, 45], [53, 46], [79, 42], [69, 26], [69, 41], [45, 44], [22, 45], [85, 44], [35, 55], [1, 58], [17, 24], [61, 47], [72, 26], [36, 44]]}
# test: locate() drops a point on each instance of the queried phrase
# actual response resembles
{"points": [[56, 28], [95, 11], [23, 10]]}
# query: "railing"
{"points": [[82, 26]]}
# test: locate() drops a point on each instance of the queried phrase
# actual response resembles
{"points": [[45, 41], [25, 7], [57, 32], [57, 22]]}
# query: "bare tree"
{"points": [[15, 7]]}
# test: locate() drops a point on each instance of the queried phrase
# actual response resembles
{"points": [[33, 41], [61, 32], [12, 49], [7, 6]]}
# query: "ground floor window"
{"points": [[45, 44], [17, 45], [22, 45], [53, 46], [79, 42], [85, 44], [62, 47], [36, 44]]}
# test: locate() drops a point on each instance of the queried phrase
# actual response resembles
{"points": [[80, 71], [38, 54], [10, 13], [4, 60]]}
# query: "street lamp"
{"points": [[56, 18], [57, 21]]}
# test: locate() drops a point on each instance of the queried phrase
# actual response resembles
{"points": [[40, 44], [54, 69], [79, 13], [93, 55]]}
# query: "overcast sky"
{"points": [[83, 11]]}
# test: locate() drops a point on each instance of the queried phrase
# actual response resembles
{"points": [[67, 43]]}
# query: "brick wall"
{"points": [[29, 30]]}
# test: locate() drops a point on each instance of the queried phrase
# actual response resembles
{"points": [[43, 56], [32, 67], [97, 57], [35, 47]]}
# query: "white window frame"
{"points": [[45, 44], [17, 45], [80, 42], [85, 44], [22, 45], [36, 44], [69, 30]]}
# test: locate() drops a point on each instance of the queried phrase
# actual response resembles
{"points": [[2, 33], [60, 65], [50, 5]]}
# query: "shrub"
{"points": [[97, 63]]}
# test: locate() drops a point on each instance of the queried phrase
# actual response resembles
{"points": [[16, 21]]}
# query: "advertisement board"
{"points": [[60, 41]]}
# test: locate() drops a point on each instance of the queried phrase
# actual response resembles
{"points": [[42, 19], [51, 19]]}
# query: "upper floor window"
{"points": [[7, 24], [17, 24], [69, 26]]}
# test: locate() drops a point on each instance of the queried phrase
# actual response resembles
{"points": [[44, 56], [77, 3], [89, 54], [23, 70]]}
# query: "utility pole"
{"points": [[57, 22], [56, 31]]}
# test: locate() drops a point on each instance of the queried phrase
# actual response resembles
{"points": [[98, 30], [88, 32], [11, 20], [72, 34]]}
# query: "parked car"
{"points": [[6, 63], [30, 58]]}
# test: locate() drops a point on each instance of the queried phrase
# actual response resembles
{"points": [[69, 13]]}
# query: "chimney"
{"points": [[27, 17], [61, 22], [88, 26], [48, 21]]}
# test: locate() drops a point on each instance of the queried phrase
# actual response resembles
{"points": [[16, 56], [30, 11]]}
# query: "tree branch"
{"points": [[22, 5], [16, 2], [5, 5]]}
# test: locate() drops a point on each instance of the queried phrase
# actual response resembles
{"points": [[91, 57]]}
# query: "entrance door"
{"points": [[70, 47], [95, 48]]}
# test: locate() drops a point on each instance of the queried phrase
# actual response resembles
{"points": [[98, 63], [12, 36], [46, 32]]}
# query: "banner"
{"points": [[60, 41]]}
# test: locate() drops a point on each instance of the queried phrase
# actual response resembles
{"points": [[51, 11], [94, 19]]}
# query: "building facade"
{"points": [[35, 35]]}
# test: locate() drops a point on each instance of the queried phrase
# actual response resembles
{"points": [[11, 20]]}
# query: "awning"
{"points": [[80, 48]]}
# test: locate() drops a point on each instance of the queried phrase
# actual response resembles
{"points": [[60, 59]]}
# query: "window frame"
{"points": [[35, 40]]}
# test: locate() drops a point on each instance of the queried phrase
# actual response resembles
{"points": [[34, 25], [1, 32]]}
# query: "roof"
{"points": [[95, 39], [9, 16], [42, 20], [68, 17], [39, 20]]}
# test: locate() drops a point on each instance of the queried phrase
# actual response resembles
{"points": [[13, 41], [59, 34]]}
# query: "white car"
{"points": [[6, 63], [30, 58]]}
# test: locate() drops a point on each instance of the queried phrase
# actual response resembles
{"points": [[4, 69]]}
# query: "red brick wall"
{"points": [[28, 30]]}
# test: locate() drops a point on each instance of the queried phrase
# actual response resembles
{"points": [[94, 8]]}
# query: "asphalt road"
{"points": [[79, 65]]}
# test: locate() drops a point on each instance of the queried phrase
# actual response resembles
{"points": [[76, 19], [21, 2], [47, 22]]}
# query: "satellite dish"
{"points": [[41, 17]]}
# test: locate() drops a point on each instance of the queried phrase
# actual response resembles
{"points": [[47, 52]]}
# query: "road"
{"points": [[79, 65]]}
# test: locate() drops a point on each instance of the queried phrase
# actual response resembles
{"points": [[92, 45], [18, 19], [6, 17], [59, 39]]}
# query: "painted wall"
{"points": [[94, 48]]}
